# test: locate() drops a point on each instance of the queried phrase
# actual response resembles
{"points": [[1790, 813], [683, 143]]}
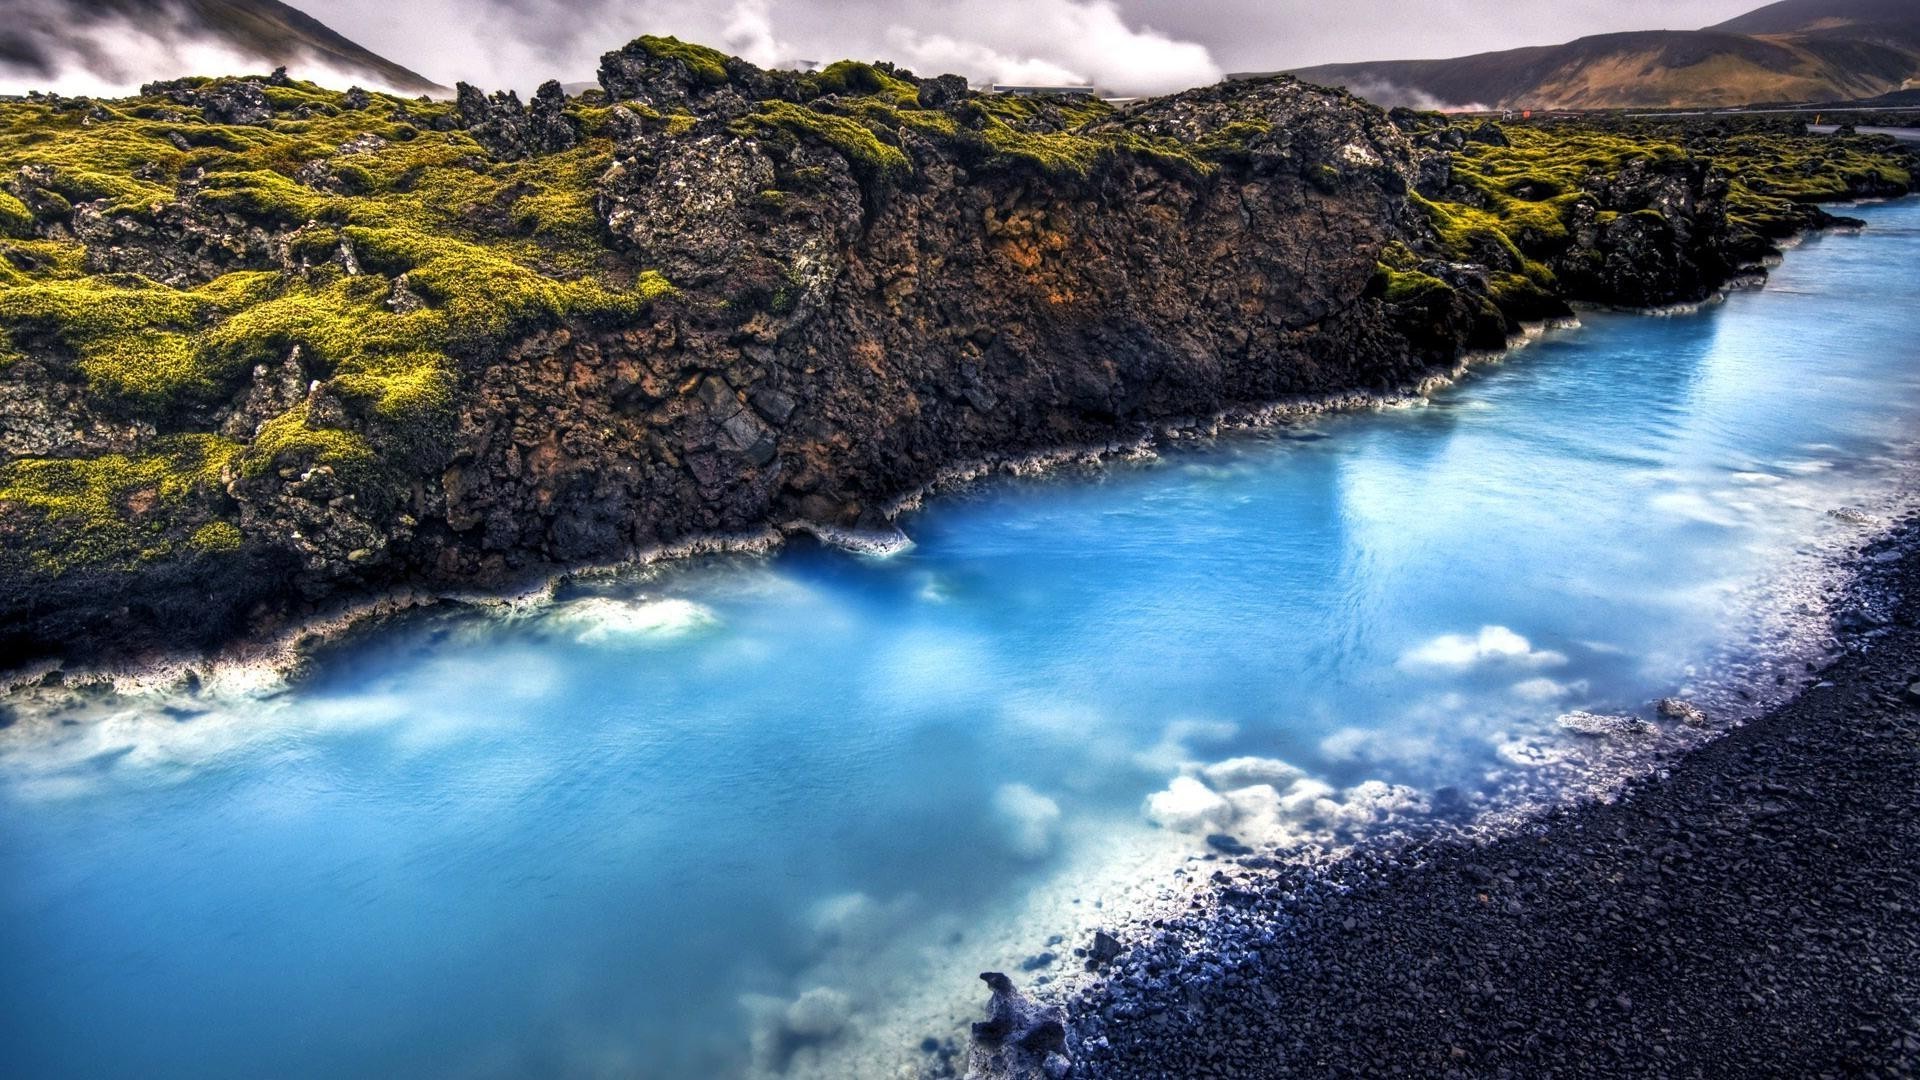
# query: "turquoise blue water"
{"points": [[749, 813]]}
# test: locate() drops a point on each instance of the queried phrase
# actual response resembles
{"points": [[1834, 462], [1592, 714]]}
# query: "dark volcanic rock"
{"points": [[1020, 1039], [499, 123], [552, 129], [941, 91], [224, 102]]}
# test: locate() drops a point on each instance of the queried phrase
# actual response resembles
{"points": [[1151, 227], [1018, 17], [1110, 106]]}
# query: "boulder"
{"points": [[1603, 726], [1685, 712], [552, 129], [942, 91], [500, 122], [1021, 1039]]}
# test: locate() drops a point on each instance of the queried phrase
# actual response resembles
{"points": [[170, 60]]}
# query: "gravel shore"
{"points": [[1754, 910]]}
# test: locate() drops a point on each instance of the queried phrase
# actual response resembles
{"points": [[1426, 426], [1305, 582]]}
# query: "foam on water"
{"points": [[766, 813]]}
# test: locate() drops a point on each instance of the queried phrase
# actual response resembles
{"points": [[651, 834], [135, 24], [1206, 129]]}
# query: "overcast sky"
{"points": [[1127, 45]]}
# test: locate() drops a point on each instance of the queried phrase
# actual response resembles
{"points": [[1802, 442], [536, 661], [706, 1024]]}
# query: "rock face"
{"points": [[875, 278], [850, 340]]}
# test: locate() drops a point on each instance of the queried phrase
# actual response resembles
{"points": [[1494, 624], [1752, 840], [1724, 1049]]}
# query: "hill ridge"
{"points": [[1796, 50]]}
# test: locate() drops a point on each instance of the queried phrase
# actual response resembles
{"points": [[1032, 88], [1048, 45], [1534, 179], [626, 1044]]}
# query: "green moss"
{"points": [[129, 335], [115, 509], [414, 208], [1051, 152], [1048, 111], [854, 140], [1233, 139], [290, 439], [262, 193], [1402, 286], [15, 218], [216, 538], [1522, 196], [854, 77], [1515, 205], [707, 65]]}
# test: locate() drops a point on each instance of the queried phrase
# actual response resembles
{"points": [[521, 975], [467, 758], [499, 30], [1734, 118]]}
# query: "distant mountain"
{"points": [[1796, 50], [47, 38]]}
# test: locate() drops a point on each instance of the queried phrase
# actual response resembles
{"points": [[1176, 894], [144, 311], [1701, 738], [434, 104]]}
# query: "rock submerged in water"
{"points": [[1227, 844], [1105, 949], [1604, 726], [1851, 516], [1682, 711], [1021, 1039]]}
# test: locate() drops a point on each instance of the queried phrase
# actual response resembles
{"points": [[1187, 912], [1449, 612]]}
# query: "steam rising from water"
{"points": [[498, 44], [1388, 95], [53, 47]]}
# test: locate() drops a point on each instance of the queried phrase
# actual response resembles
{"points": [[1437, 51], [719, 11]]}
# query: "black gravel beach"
{"points": [[1753, 910]]}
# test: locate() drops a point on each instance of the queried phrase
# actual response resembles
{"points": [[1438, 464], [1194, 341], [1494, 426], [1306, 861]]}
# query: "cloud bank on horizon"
{"points": [[1124, 46], [515, 43]]}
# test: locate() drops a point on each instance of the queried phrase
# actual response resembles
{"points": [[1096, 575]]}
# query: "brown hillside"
{"points": [[1798, 50]]}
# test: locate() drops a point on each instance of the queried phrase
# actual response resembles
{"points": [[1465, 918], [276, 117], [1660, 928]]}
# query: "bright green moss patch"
{"points": [[15, 218], [116, 509], [869, 121], [1514, 207], [130, 336], [1052, 152], [854, 77], [854, 140], [707, 65], [1522, 196], [372, 254], [1061, 111], [291, 439], [217, 537], [485, 246], [1408, 285]]}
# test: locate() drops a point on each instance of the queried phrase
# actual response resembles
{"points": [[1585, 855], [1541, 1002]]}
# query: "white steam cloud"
{"points": [[1387, 95], [517, 44], [1052, 42], [112, 54]]}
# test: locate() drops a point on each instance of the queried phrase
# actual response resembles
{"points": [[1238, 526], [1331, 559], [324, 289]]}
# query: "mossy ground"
{"points": [[407, 251], [119, 510], [1513, 206], [869, 114]]}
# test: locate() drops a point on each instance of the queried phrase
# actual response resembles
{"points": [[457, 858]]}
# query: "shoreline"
{"points": [[283, 652], [1705, 918], [280, 655]]}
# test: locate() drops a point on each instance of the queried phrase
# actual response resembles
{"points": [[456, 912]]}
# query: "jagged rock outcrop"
{"points": [[233, 102], [552, 130]]}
